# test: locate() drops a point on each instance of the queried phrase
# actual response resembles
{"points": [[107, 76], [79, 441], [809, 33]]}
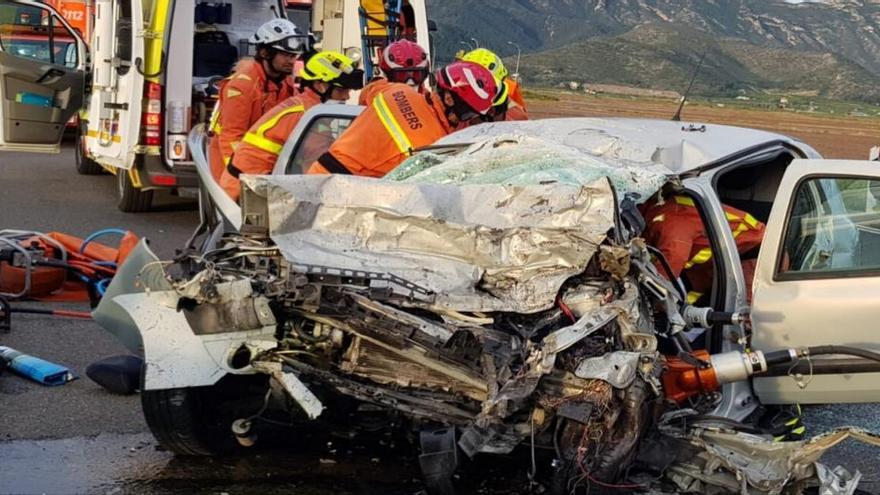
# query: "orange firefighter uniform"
{"points": [[676, 229], [261, 145], [244, 97], [398, 121], [372, 88], [516, 107]]}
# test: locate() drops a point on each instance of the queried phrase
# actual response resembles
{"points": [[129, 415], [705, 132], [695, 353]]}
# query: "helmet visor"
{"points": [[295, 45], [353, 80], [409, 76]]}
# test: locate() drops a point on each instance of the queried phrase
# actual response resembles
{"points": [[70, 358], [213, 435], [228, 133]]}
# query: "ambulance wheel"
{"points": [[84, 164], [130, 199]]}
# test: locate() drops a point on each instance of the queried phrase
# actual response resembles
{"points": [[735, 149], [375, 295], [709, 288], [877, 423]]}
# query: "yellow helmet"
{"points": [[501, 97], [334, 68], [489, 60]]}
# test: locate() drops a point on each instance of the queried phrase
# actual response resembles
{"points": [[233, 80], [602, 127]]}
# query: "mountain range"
{"points": [[828, 48]]}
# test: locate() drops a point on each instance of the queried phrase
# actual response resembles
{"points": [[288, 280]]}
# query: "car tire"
{"points": [[84, 164], [197, 421], [130, 199]]}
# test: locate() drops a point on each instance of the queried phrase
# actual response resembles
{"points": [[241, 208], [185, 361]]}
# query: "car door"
{"points": [[42, 76], [121, 101], [818, 279], [313, 135]]}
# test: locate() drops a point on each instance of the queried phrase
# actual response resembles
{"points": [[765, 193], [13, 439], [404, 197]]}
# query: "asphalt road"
{"points": [[80, 439]]}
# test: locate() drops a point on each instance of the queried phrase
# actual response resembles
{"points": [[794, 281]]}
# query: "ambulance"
{"points": [[152, 75]]}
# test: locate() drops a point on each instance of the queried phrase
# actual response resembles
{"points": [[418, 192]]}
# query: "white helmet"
{"points": [[282, 35]]}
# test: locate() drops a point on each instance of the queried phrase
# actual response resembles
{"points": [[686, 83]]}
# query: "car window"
{"points": [[833, 229], [34, 33], [315, 141]]}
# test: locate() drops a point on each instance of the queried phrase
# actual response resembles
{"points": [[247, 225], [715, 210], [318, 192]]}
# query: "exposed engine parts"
{"points": [[585, 382]]}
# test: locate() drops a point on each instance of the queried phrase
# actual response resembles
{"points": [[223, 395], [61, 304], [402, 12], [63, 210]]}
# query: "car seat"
{"points": [[213, 54]]}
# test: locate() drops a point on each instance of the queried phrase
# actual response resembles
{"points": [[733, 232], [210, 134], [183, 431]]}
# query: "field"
{"points": [[833, 136]]}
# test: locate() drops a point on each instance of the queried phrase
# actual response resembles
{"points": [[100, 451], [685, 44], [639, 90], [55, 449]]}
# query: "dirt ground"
{"points": [[833, 137]]}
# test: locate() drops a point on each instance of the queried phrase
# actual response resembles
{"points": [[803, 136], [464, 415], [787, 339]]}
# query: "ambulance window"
{"points": [[315, 141], [123, 36], [34, 33]]}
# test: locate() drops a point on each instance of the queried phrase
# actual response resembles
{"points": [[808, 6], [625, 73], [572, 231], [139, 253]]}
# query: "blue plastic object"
{"points": [[101, 286], [38, 370], [97, 234], [34, 99]]}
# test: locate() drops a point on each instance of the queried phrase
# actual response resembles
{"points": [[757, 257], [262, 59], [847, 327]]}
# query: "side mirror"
{"points": [[432, 26]]}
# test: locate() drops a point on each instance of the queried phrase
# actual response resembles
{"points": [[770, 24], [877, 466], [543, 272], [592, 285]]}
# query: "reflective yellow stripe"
{"points": [[258, 138], [214, 121], [262, 143], [799, 431], [684, 201], [730, 216], [104, 136], [701, 257], [740, 229], [694, 297], [751, 221], [659, 218], [135, 178], [391, 125]]}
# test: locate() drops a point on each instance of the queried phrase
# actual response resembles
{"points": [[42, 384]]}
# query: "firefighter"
{"points": [[256, 86], [400, 120], [326, 76], [403, 61], [674, 226], [513, 107]]}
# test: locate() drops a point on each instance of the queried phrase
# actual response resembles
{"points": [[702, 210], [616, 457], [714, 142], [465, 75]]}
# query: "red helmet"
{"points": [[471, 84], [405, 62]]}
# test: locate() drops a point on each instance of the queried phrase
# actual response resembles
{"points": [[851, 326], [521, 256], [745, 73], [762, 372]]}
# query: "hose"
{"points": [[787, 356], [97, 234], [821, 350], [825, 367], [101, 286]]}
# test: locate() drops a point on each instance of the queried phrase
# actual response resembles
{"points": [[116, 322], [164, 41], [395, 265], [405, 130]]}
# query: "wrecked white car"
{"points": [[494, 292]]}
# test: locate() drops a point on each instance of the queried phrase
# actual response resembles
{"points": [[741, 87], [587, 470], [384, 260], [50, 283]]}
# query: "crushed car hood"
{"points": [[677, 147], [484, 247]]}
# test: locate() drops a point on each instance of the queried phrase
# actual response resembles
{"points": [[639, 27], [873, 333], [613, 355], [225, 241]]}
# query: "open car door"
{"points": [[42, 76], [312, 136], [818, 280]]}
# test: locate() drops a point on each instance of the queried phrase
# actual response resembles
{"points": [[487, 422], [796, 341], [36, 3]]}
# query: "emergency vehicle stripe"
{"points": [[391, 125], [258, 138]]}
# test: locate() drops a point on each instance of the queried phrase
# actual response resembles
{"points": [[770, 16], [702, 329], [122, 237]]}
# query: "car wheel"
{"points": [[84, 164], [197, 421], [130, 199]]}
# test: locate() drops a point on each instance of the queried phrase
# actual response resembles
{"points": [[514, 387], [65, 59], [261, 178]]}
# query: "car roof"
{"points": [[680, 147]]}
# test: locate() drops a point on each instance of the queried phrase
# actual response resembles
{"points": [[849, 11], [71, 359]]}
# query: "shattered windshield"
{"points": [[519, 160]]}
